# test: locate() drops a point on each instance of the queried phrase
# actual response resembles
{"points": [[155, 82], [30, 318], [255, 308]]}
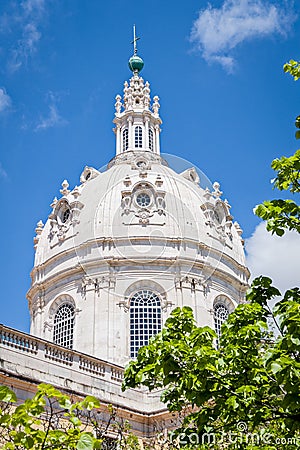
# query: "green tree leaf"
{"points": [[86, 442], [7, 395]]}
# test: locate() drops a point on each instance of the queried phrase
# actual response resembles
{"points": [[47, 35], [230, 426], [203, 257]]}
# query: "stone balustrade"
{"points": [[31, 360], [22, 342], [91, 365], [18, 340], [117, 374], [56, 353]]}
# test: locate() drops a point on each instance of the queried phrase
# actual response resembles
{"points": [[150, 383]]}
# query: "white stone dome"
{"points": [[179, 211], [137, 232]]}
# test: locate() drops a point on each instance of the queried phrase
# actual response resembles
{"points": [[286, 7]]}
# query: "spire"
{"points": [[134, 41], [135, 63], [137, 117]]}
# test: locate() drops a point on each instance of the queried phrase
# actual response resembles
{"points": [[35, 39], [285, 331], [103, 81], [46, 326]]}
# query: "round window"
{"points": [[143, 199]]}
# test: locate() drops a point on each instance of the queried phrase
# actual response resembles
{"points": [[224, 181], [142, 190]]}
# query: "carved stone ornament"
{"points": [[133, 157], [127, 181], [191, 175], [159, 181], [141, 163], [239, 231], [136, 97], [76, 192], [191, 282], [88, 174], [64, 191], [156, 105], [48, 325], [216, 192], [217, 214], [95, 284], [76, 207], [38, 232], [143, 204], [38, 304], [64, 216], [165, 303], [118, 104], [207, 195]]}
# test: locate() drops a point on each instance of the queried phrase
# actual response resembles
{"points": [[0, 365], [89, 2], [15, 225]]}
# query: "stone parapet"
{"points": [[33, 359]]}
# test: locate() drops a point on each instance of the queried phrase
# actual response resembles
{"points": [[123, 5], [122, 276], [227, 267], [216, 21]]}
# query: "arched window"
{"points": [[220, 316], [145, 319], [138, 137], [150, 140], [64, 326], [125, 139]]}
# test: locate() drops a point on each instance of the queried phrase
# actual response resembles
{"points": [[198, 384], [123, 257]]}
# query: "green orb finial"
{"points": [[135, 63]]}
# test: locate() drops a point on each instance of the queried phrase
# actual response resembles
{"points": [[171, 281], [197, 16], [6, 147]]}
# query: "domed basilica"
{"points": [[117, 253]]}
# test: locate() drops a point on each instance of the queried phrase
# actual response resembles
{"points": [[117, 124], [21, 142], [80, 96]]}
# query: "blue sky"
{"points": [[225, 102]]}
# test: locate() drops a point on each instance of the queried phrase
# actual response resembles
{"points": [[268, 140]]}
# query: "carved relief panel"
{"points": [[143, 204]]}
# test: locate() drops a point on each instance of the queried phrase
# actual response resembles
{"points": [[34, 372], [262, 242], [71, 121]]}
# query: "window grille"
{"points": [[125, 139], [138, 137], [64, 326], [151, 140], [220, 316], [145, 319]]}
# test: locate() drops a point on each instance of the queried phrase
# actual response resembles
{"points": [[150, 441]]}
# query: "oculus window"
{"points": [[143, 199]]}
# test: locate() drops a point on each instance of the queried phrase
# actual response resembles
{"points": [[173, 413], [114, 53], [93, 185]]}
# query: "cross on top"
{"points": [[134, 41]]}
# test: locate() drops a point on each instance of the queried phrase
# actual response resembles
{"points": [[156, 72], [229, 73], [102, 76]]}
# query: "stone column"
{"points": [[147, 133], [157, 146], [130, 137], [118, 139]]}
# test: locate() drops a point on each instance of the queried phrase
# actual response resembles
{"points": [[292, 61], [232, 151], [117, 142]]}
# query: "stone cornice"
{"points": [[203, 265], [72, 252]]}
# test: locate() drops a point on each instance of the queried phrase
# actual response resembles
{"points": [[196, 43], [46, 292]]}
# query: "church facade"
{"points": [[117, 253]]}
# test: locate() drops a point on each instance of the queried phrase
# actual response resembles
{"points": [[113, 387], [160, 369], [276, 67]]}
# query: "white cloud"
{"points": [[5, 100], [25, 22], [275, 257], [33, 6], [217, 31], [31, 36], [3, 173], [53, 118]]}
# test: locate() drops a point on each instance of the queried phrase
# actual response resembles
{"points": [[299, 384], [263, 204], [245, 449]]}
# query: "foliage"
{"points": [[252, 380], [282, 214], [293, 67], [50, 420], [242, 391]]}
